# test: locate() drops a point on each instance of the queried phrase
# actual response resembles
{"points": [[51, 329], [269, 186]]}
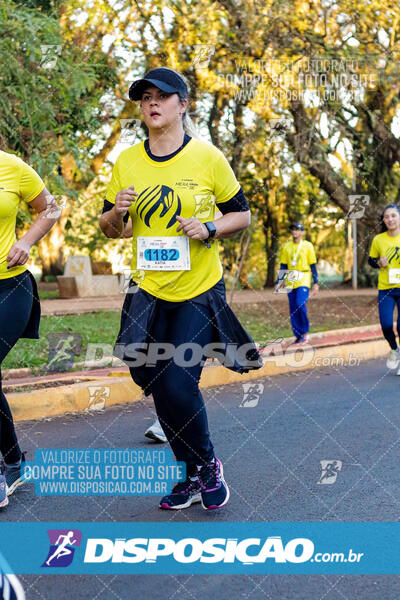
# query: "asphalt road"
{"points": [[271, 454]]}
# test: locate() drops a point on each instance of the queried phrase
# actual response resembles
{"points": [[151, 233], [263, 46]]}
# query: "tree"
{"points": [[49, 98], [342, 97]]}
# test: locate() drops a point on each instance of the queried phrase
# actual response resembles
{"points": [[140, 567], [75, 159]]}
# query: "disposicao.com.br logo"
{"points": [[247, 551], [62, 547]]}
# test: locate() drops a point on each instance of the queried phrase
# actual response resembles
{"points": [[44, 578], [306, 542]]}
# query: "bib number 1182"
{"points": [[161, 254]]}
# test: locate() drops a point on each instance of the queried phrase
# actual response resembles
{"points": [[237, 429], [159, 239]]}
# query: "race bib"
{"points": [[294, 275], [163, 253], [394, 275]]}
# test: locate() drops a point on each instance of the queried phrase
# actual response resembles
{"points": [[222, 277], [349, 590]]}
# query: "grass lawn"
{"points": [[49, 294], [265, 322], [100, 327], [270, 320]]}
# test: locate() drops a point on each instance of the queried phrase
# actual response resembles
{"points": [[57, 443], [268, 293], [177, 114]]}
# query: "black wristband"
{"points": [[212, 230]]}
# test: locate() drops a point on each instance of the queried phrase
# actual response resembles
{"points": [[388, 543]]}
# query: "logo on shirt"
{"points": [[151, 199], [393, 254]]}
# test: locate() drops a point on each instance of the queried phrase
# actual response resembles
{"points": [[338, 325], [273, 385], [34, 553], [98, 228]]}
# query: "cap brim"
{"points": [[137, 88]]}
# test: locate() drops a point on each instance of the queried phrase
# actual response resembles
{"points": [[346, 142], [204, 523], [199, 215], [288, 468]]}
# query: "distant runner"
{"points": [[298, 262], [385, 256]]}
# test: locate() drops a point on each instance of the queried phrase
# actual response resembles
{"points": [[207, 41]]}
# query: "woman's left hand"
{"points": [[18, 254], [193, 228]]}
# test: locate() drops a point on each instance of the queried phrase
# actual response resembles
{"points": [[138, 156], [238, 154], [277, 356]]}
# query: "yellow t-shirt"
{"points": [[299, 257], [18, 181], [384, 244], [188, 184]]}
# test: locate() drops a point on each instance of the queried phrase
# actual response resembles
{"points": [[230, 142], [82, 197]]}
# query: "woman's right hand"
{"points": [[383, 261], [124, 199]]}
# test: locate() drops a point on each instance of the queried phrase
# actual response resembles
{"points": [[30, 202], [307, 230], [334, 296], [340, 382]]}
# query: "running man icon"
{"points": [[330, 470], [62, 550], [62, 547]]}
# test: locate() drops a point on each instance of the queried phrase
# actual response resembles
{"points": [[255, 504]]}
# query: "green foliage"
{"points": [[367, 277], [49, 98], [64, 119]]}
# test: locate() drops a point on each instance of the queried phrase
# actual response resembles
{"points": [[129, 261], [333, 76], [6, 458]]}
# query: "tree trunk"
{"points": [[51, 250], [271, 231]]}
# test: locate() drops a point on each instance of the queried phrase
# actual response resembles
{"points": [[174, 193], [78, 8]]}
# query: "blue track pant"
{"points": [[387, 300], [298, 310]]}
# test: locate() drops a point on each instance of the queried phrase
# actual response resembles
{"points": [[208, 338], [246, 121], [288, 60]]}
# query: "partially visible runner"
{"points": [[385, 256], [298, 262], [156, 433], [19, 301], [170, 186]]}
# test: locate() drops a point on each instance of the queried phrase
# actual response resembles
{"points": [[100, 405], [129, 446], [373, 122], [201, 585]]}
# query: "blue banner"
{"points": [[208, 548], [103, 472]]}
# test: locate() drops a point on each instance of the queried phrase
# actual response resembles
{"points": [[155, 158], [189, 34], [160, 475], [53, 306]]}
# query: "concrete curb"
{"points": [[97, 392]]}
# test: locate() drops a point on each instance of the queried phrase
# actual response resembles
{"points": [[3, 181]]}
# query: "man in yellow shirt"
{"points": [[298, 262]]}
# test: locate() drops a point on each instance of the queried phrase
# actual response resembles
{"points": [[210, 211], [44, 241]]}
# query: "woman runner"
{"points": [[170, 186], [385, 256], [19, 301]]}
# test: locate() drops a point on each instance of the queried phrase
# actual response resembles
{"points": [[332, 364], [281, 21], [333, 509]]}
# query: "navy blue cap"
{"points": [[297, 226], [163, 78]]}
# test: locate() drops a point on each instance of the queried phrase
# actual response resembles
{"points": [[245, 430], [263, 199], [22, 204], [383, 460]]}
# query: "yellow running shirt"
{"points": [[384, 244], [189, 185], [299, 257], [18, 181]]}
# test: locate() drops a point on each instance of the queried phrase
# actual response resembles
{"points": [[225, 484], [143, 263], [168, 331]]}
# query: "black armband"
{"points": [[108, 206], [373, 262], [237, 203], [314, 272]]}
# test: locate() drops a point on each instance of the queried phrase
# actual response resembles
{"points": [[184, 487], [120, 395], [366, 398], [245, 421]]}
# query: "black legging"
{"points": [[16, 299], [178, 401]]}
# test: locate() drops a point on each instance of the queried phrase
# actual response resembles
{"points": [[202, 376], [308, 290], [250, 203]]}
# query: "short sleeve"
{"points": [[225, 183], [284, 255], [115, 184], [374, 251], [311, 255], [30, 184]]}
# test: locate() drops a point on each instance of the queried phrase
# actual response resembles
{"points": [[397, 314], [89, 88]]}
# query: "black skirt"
{"points": [[137, 318], [32, 328]]}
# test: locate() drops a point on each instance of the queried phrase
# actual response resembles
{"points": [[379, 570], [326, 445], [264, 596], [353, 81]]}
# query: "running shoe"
{"points": [[183, 494], [393, 359], [214, 490], [15, 475], [3, 489], [303, 339], [155, 432]]}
